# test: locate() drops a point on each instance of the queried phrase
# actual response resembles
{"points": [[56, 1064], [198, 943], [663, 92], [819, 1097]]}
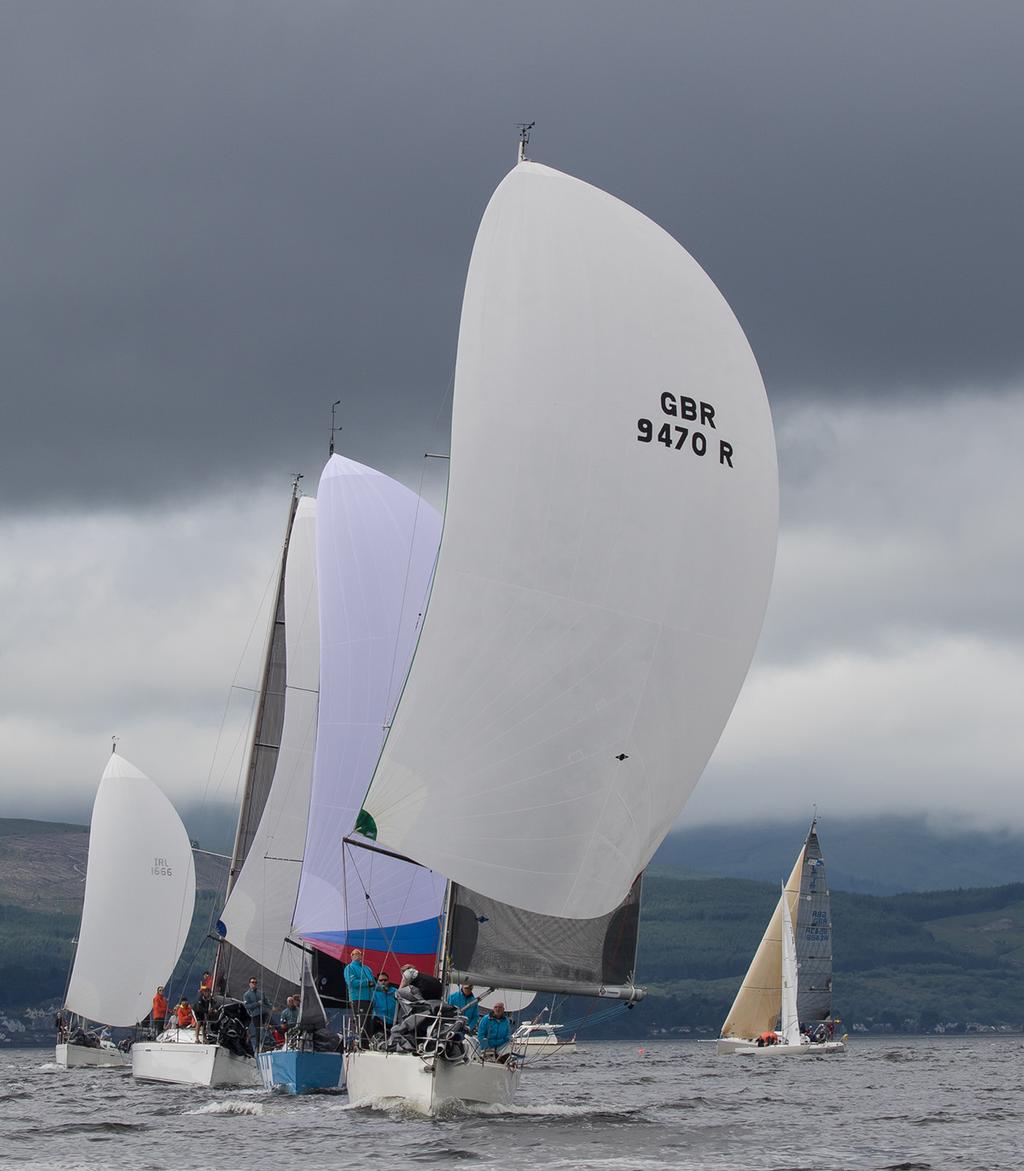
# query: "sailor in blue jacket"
{"points": [[360, 983], [384, 1005], [495, 1034], [466, 1003]]}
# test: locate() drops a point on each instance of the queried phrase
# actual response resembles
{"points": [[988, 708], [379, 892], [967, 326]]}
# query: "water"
{"points": [[900, 1104]]}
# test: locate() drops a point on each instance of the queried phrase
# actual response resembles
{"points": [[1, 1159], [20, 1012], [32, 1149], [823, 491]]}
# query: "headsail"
{"points": [[758, 1003], [258, 913], [608, 548], [376, 546], [311, 1007], [140, 890]]}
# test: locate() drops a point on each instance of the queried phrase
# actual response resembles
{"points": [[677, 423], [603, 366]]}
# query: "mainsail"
{"points": [[140, 890], [608, 547], [493, 944], [258, 913], [814, 936], [376, 547], [232, 967]]}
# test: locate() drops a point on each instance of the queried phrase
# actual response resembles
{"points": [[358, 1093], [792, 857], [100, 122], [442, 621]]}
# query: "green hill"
{"points": [[904, 960]]}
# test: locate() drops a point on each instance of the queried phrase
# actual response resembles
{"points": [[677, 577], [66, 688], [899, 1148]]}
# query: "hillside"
{"points": [[903, 960]]}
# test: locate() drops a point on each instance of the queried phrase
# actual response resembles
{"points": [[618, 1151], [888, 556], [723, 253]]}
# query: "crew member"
{"points": [[495, 1035]]}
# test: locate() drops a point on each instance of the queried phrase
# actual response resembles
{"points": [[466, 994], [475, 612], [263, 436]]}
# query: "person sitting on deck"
{"points": [[464, 1000], [186, 1018], [290, 1013], [495, 1035]]}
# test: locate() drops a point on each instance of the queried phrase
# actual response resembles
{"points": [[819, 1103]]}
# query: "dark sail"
{"points": [[233, 966], [495, 945], [814, 937]]}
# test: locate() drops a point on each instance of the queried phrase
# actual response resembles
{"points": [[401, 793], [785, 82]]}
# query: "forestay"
{"points": [[258, 914], [376, 546], [140, 890], [608, 548]]}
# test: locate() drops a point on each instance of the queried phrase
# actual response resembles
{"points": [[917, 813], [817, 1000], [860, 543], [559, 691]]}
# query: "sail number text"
{"points": [[688, 410], [161, 867]]}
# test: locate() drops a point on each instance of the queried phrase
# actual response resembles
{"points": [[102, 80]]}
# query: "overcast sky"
{"points": [[216, 218]]}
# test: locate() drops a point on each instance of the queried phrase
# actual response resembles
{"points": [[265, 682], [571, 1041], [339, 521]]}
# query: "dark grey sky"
{"points": [[218, 217]]}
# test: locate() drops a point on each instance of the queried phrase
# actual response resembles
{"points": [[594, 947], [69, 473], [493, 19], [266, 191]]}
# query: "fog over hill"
{"points": [[870, 855]]}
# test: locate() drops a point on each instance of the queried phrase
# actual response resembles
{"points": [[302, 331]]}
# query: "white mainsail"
{"points": [[140, 890], [258, 913], [789, 1022], [608, 548]]}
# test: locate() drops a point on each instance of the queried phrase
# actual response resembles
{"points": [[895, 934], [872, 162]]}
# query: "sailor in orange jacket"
{"points": [[159, 1010], [186, 1017]]}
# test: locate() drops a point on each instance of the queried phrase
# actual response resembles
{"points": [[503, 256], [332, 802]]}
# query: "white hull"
{"points": [[382, 1078], [535, 1046], [192, 1065], [76, 1056], [741, 1045]]}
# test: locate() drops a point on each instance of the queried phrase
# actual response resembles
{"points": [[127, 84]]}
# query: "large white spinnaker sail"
{"points": [[376, 547], [140, 890], [258, 913], [608, 549]]}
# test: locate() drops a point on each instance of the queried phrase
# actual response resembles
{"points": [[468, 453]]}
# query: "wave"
{"points": [[231, 1106]]}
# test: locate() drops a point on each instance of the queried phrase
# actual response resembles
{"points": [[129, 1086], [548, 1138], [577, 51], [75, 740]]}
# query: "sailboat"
{"points": [[140, 890], [376, 542], [789, 981], [608, 547], [267, 854]]}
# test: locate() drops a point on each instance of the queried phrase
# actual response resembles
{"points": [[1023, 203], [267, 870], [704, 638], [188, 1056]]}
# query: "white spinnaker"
{"points": [[789, 1022], [140, 892], [258, 913], [376, 546], [597, 599]]}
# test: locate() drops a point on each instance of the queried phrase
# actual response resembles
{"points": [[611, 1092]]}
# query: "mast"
{"points": [[240, 847], [524, 139]]}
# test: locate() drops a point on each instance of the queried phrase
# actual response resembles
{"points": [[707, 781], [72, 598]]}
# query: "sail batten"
{"points": [[598, 592]]}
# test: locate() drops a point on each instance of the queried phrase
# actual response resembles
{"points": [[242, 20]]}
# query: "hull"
{"points": [[536, 1047], [739, 1045], [297, 1072], [383, 1078], [192, 1065], [77, 1056]]}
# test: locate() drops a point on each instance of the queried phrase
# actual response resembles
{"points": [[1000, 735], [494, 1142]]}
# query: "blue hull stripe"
{"points": [[412, 938]]}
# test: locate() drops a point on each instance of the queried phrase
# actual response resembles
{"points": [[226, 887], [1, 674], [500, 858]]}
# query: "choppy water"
{"points": [[902, 1104]]}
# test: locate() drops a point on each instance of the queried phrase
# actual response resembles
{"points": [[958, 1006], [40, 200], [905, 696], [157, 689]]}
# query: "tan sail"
{"points": [[759, 1001]]}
